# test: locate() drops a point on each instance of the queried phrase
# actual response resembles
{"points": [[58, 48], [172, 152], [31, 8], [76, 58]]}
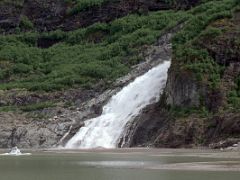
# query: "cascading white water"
{"points": [[105, 130]]}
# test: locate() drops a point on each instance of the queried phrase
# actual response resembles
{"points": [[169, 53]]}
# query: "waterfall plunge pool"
{"points": [[122, 164]]}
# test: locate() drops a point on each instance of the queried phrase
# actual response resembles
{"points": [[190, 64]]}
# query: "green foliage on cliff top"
{"points": [[187, 51], [191, 53]]}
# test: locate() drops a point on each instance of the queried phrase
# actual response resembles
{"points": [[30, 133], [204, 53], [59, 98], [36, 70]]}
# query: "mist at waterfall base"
{"points": [[105, 130]]}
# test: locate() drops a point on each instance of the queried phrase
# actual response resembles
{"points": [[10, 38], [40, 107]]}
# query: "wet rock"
{"points": [[231, 142], [181, 89], [156, 126]]}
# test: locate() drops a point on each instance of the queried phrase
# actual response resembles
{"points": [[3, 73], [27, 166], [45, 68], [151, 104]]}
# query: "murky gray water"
{"points": [[122, 165]]}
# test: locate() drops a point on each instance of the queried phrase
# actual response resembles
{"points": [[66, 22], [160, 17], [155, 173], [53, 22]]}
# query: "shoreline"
{"points": [[133, 150]]}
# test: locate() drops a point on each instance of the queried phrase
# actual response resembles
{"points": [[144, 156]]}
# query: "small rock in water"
{"points": [[15, 150]]}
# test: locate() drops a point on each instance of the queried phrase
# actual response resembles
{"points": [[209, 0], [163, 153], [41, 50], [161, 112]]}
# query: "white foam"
{"points": [[105, 130]]}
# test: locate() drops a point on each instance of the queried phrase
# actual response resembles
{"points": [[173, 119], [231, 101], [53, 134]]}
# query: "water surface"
{"points": [[121, 165]]}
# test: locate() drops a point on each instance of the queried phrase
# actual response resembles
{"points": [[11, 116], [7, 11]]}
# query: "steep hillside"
{"points": [[59, 61], [200, 105], [67, 15]]}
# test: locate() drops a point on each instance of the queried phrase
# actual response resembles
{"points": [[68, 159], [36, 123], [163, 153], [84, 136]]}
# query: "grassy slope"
{"points": [[100, 52], [104, 52], [191, 55]]}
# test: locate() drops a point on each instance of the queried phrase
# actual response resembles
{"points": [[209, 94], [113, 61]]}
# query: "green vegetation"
{"points": [[234, 95], [17, 3], [28, 108], [101, 52], [106, 51], [38, 106], [181, 112], [25, 23], [80, 5], [189, 53]]}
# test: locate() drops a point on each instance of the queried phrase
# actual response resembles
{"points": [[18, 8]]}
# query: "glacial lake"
{"points": [[134, 164]]}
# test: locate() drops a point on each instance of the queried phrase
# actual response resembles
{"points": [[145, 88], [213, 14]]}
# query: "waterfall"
{"points": [[104, 131]]}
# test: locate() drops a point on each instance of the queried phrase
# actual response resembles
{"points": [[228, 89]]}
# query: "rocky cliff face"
{"points": [[174, 122], [156, 127], [181, 89], [48, 15], [191, 112], [54, 126]]}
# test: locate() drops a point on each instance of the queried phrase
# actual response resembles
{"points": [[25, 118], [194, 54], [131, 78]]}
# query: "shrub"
{"points": [[25, 23], [80, 5]]}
